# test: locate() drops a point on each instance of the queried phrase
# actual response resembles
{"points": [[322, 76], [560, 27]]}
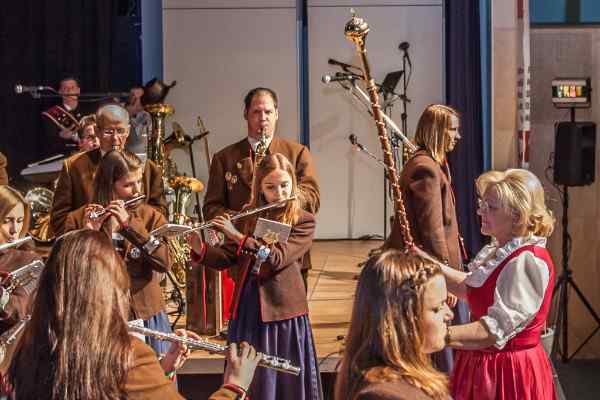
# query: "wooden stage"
{"points": [[331, 293]]}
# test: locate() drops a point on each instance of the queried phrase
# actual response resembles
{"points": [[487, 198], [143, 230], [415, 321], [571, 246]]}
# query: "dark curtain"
{"points": [[463, 92], [40, 41]]}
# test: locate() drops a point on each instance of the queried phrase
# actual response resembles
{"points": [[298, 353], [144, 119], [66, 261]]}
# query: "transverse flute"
{"points": [[276, 363], [239, 215], [16, 243], [97, 214]]}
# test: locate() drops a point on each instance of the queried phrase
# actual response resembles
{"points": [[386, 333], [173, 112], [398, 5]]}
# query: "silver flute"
{"points": [[97, 214], [8, 337], [16, 243], [276, 363], [240, 214]]}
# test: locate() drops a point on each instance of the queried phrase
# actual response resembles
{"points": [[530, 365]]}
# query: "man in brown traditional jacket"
{"points": [[75, 182], [232, 168], [429, 199]]}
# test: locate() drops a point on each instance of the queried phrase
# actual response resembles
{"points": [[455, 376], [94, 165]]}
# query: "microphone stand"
{"points": [[403, 95], [90, 96]]}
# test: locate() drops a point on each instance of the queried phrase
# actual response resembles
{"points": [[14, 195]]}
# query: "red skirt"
{"points": [[502, 375]]}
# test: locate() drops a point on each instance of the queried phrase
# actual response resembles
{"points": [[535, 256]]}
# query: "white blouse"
{"points": [[519, 289]]}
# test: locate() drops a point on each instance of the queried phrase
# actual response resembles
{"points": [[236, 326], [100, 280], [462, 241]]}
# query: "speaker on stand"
{"points": [[574, 165]]}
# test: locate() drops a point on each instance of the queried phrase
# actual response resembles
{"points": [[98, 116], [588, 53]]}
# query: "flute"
{"points": [[276, 363], [240, 214], [8, 337], [98, 214], [16, 243]]}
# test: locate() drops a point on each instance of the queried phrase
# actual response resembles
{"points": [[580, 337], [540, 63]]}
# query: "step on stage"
{"points": [[332, 282]]}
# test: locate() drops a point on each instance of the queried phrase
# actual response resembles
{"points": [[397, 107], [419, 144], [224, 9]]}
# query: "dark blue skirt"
{"points": [[159, 322], [291, 339]]}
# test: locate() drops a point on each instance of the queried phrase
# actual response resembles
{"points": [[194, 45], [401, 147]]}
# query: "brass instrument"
{"points": [[23, 276], [16, 243], [40, 202], [155, 150], [267, 361], [95, 214], [239, 215], [8, 337], [356, 30]]}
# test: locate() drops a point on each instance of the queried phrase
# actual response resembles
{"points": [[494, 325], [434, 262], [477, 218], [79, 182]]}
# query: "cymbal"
{"points": [[194, 184]]}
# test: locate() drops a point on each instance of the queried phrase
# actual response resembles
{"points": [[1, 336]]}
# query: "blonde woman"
{"points": [[399, 318], [509, 290], [14, 224]]}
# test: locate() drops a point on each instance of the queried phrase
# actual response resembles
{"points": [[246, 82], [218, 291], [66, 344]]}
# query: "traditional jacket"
{"points": [[430, 209], [281, 289], [393, 390], [144, 269], [75, 187], [232, 169]]}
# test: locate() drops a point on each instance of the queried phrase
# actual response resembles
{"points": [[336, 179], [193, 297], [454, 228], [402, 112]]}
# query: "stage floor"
{"points": [[331, 292]]}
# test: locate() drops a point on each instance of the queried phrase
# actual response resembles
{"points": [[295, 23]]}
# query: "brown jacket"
{"points": [[231, 172], [396, 390], [75, 187], [281, 288], [3, 173], [430, 208], [20, 299], [146, 379], [144, 271]]}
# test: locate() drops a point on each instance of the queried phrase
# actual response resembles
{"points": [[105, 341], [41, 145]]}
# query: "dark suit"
{"points": [[146, 296], [430, 209], [75, 187]]}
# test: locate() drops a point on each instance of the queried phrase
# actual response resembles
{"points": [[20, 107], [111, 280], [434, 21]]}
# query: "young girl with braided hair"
{"points": [[399, 318]]}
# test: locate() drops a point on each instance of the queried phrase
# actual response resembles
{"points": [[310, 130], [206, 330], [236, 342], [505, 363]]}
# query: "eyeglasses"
{"points": [[114, 132], [484, 206], [89, 137]]}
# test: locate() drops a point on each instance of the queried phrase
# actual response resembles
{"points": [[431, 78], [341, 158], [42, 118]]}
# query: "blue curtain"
{"points": [[463, 92]]}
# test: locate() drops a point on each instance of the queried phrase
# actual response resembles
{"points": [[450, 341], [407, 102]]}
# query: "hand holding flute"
{"points": [[96, 215]]}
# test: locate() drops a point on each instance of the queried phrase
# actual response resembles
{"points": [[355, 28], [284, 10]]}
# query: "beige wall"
{"points": [[556, 52]]}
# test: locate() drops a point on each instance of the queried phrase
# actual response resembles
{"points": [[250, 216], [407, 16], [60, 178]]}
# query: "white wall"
{"points": [[218, 50]]}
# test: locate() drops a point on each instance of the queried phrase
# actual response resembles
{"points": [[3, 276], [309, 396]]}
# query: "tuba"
{"points": [[356, 30], [155, 149]]}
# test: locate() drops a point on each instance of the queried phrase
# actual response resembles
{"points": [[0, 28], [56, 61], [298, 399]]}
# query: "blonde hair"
{"points": [[9, 198], [431, 134], [385, 338], [521, 192], [291, 212]]}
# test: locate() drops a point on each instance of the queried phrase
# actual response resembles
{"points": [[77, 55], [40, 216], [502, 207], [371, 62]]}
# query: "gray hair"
{"points": [[112, 112]]}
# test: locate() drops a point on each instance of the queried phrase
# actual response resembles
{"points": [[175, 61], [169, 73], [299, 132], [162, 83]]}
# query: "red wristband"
{"points": [[237, 389]]}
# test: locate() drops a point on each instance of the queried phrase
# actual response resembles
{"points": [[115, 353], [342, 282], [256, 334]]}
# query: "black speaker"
{"points": [[575, 153]]}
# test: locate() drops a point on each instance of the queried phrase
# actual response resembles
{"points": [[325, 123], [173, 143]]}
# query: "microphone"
{"points": [[331, 61], [354, 141], [19, 89], [339, 76], [404, 47]]}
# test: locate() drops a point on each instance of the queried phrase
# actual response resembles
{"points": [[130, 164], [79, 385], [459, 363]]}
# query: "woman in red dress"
{"points": [[509, 289]]}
